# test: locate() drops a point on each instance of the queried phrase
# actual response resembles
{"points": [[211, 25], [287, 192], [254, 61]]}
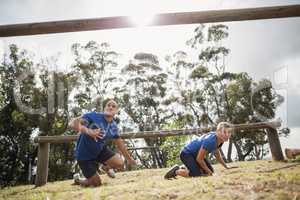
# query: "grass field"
{"points": [[252, 180]]}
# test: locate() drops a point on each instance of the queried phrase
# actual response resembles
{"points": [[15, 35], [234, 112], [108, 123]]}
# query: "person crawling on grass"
{"points": [[95, 129], [193, 155]]}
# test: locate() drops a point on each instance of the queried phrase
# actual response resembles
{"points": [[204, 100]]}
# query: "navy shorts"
{"points": [[193, 166], [90, 167]]}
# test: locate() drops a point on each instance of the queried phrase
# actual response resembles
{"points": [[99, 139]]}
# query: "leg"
{"points": [[183, 172], [192, 165], [172, 172], [89, 170], [110, 159], [114, 162], [93, 181]]}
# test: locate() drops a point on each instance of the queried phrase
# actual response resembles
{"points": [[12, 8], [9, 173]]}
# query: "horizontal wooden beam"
{"points": [[210, 16], [162, 133], [141, 148]]}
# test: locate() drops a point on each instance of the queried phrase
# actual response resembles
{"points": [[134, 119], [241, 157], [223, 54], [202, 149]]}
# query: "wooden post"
{"points": [[42, 165], [274, 143]]}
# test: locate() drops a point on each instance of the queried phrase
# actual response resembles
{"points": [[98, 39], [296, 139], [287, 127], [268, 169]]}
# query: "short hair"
{"points": [[222, 125], [107, 100]]}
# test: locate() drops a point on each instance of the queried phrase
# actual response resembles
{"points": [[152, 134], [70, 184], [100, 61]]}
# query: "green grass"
{"points": [[252, 180]]}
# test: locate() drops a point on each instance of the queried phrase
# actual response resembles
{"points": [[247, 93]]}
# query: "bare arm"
{"points": [[76, 124], [123, 149], [200, 159], [220, 159]]}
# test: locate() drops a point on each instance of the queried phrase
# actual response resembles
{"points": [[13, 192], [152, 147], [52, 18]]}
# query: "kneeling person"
{"points": [[95, 129], [193, 155]]}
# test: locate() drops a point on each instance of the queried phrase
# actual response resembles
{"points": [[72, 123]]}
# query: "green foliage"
{"points": [[94, 67], [199, 72], [15, 126], [141, 98], [20, 88], [61, 162], [173, 145], [219, 95]]}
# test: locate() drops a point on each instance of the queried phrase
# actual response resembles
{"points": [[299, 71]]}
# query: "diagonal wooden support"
{"points": [[275, 145]]}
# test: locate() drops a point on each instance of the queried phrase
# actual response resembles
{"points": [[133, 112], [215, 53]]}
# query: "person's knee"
{"points": [[119, 164], [115, 162]]}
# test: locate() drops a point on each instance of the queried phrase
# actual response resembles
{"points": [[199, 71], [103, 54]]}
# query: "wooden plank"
{"points": [[210, 16], [141, 148], [42, 165], [162, 133]]}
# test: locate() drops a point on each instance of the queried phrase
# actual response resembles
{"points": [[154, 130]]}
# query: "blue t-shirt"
{"points": [[87, 148], [207, 141]]}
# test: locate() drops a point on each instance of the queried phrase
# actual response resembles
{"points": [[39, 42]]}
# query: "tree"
{"points": [[95, 66], [225, 96], [173, 145], [56, 88], [142, 98], [34, 102], [241, 97], [15, 126]]}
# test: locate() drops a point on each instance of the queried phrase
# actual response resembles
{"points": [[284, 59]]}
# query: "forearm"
{"points": [[122, 148], [220, 160], [76, 125], [204, 166]]}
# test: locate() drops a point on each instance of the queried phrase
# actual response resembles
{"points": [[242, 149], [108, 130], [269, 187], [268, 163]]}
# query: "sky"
{"points": [[263, 48]]}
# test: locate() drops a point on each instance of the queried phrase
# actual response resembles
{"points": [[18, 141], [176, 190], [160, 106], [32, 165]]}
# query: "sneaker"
{"points": [[110, 172], [182, 167], [76, 178], [172, 172]]}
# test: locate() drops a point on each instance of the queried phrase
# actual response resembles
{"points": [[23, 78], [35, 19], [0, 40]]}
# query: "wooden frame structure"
{"points": [[44, 142], [159, 20], [211, 16]]}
